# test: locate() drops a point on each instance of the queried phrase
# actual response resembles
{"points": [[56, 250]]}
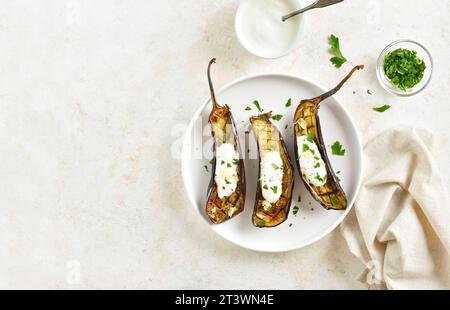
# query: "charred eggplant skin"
{"points": [[223, 130], [306, 121], [269, 138]]}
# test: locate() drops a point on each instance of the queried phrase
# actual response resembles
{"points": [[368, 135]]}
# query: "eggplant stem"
{"points": [[211, 87], [338, 87]]}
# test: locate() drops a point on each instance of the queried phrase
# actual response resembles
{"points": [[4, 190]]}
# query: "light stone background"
{"points": [[93, 98]]}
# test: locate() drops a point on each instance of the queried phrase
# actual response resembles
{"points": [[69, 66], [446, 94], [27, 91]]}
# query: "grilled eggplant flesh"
{"points": [[306, 123], [269, 139], [220, 209]]}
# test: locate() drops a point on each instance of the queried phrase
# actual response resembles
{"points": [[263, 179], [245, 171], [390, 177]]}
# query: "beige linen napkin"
{"points": [[400, 224]]}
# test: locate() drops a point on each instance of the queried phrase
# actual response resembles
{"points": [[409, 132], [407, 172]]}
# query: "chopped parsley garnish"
{"points": [[275, 167], [337, 177], [369, 92], [317, 165], [295, 210], [211, 161], [288, 103], [248, 109], [222, 162], [336, 149], [290, 225], [235, 161], [265, 187], [333, 201], [274, 189], [403, 68], [309, 137], [320, 179], [256, 103], [277, 117], [227, 182], [206, 168], [316, 158], [382, 109], [338, 60], [228, 165], [305, 147], [286, 127]]}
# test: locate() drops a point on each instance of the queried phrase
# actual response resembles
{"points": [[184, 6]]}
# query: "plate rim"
{"points": [[184, 153]]}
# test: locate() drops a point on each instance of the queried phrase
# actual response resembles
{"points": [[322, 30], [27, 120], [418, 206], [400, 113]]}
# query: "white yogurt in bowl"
{"points": [[261, 31]]}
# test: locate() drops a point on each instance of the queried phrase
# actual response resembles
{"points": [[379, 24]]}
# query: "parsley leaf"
{"points": [[333, 201], [318, 178], [248, 109], [295, 210], [369, 92], [309, 137], [275, 167], [206, 168], [277, 117], [256, 103], [266, 187], [305, 147], [274, 189], [338, 60], [382, 109], [288, 103], [336, 149]]}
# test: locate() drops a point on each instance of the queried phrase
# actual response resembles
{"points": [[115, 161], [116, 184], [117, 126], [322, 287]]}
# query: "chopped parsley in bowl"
{"points": [[404, 68]]}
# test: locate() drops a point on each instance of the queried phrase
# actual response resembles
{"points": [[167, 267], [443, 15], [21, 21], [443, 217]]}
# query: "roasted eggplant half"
{"points": [[275, 176], [226, 193], [311, 155]]}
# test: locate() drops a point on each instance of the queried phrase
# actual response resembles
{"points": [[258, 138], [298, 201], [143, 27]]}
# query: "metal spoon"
{"points": [[315, 5]]}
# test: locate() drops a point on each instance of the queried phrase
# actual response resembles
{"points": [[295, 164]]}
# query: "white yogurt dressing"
{"points": [[271, 177], [261, 30], [226, 178], [311, 162]]}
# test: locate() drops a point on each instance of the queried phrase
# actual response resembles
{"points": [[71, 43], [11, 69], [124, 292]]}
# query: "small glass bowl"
{"points": [[422, 53]]}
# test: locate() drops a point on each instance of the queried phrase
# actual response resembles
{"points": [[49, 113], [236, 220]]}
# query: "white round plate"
{"points": [[272, 91]]}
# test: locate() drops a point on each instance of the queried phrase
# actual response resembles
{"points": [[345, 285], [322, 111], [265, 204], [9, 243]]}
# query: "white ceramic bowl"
{"points": [[240, 33]]}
